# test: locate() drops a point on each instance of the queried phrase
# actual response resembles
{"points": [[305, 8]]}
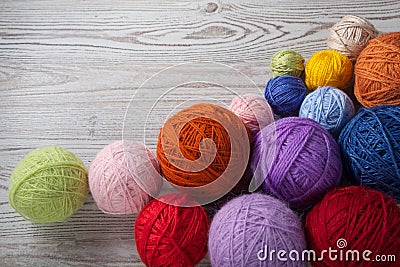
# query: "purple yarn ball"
{"points": [[250, 223], [302, 164]]}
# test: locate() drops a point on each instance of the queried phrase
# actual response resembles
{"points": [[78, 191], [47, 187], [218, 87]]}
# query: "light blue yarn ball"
{"points": [[328, 106]]}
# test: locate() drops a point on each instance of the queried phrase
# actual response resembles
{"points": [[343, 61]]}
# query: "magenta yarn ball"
{"points": [[253, 110], [123, 176], [246, 229], [301, 165]]}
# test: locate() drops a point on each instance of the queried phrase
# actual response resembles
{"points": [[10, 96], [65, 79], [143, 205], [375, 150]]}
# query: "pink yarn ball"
{"points": [[254, 111], [122, 176]]}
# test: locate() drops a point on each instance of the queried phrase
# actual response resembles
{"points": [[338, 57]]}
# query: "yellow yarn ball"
{"points": [[328, 68]]}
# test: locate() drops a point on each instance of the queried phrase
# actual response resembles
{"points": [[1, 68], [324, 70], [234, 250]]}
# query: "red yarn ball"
{"points": [[354, 218], [172, 235]]}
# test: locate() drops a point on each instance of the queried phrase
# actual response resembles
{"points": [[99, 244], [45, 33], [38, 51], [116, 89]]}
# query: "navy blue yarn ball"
{"points": [[370, 145], [285, 95]]}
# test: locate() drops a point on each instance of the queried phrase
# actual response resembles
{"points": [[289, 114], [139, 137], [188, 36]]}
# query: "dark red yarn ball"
{"points": [[367, 219], [171, 235]]}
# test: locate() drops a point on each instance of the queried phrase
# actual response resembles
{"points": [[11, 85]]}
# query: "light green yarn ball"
{"points": [[48, 185], [287, 62]]}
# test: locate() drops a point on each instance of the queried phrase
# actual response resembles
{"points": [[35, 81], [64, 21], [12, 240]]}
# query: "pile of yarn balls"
{"points": [[325, 144]]}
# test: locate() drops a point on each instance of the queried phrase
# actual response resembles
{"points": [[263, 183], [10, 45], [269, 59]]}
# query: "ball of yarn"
{"points": [[123, 176], [48, 185], [287, 62], [171, 235], [305, 161], [370, 144], [328, 68], [351, 35], [285, 94], [328, 106], [247, 228], [354, 218], [203, 150], [254, 111], [377, 72]]}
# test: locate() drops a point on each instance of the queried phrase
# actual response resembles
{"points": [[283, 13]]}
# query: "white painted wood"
{"points": [[68, 70]]}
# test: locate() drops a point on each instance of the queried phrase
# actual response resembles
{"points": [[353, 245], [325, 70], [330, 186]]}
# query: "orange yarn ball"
{"points": [[328, 68], [377, 72], [203, 150]]}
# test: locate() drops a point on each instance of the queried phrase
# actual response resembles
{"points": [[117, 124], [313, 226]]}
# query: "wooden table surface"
{"points": [[69, 70]]}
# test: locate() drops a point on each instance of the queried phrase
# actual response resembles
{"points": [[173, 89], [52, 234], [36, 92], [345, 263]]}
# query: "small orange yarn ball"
{"points": [[328, 68], [377, 72], [203, 150]]}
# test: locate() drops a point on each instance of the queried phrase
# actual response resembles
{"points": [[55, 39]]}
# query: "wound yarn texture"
{"points": [[287, 62], [285, 95], [328, 106], [351, 35], [377, 72], [171, 235], [196, 145], [370, 145], [123, 176], [254, 111], [248, 224], [48, 185], [305, 161], [328, 68], [354, 218]]}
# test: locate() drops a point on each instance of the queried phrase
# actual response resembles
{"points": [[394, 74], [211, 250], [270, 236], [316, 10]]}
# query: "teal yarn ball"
{"points": [[287, 62], [370, 145], [328, 106], [285, 94], [48, 185]]}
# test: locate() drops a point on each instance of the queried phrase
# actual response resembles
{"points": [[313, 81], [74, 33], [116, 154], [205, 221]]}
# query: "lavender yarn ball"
{"points": [[305, 161], [328, 106], [250, 223], [285, 95]]}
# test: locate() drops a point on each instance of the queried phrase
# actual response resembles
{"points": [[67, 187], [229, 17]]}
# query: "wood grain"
{"points": [[68, 70]]}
